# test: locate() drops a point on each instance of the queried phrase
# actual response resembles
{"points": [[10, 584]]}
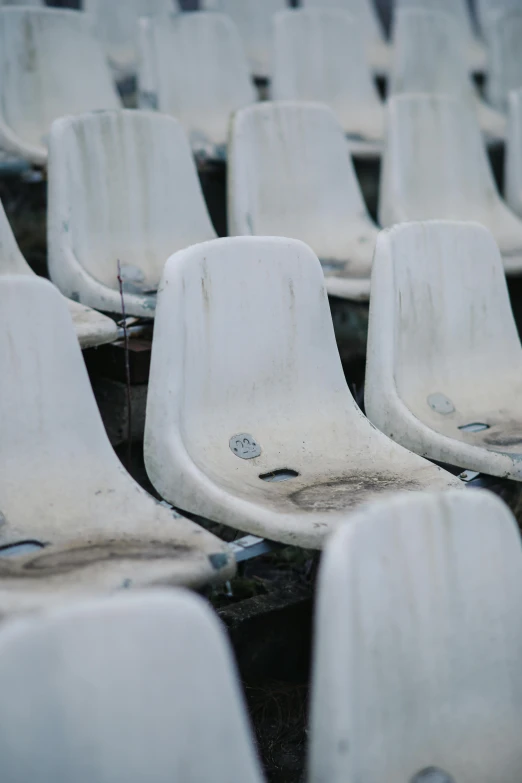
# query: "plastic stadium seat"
{"points": [[62, 487], [472, 47], [428, 57], [137, 688], [444, 364], [365, 13], [115, 23], [418, 642], [50, 65], [193, 67], [123, 187], [92, 328], [290, 175], [250, 421], [485, 8], [504, 36], [513, 164], [254, 20], [319, 56], [435, 167]]}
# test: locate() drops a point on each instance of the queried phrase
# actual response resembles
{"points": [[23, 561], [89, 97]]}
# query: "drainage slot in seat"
{"points": [[21, 549], [285, 474], [475, 426]]}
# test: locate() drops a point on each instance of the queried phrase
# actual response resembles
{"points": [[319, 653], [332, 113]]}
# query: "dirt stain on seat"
{"points": [[62, 561], [500, 436], [349, 491]]}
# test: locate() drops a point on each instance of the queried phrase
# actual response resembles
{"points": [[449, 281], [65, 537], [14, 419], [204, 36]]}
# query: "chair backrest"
{"points": [[193, 66], [504, 36], [12, 261], [484, 9], [291, 175], [364, 12], [254, 20], [123, 187], [55, 437], [428, 54], [116, 25], [440, 314], [136, 687], [513, 163], [319, 55], [418, 642], [458, 9], [50, 66], [435, 164], [243, 343]]}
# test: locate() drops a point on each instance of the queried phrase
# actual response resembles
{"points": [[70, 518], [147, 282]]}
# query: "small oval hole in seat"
{"points": [[285, 474], [475, 426], [21, 548]]}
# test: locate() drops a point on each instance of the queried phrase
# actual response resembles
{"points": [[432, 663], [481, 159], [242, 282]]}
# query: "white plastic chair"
{"points": [[61, 484], [193, 67], [369, 27], [138, 688], [254, 21], [290, 175], [435, 167], [123, 187], [513, 161], [485, 8], [249, 418], [418, 642], [444, 362], [50, 65], [319, 56], [472, 47], [504, 36], [115, 22], [92, 328], [429, 57]]}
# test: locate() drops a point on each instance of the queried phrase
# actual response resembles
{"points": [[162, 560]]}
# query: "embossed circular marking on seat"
{"points": [[440, 403], [245, 446], [432, 775]]}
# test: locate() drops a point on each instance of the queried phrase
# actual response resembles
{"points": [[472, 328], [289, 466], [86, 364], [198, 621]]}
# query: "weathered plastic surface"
{"points": [[250, 421], [115, 23], [136, 688], [513, 161], [92, 328], [254, 21], [290, 175], [485, 8], [369, 25], [193, 66], [444, 362], [435, 167], [123, 186], [418, 642], [472, 47], [50, 66], [429, 57], [319, 56], [504, 37], [61, 483]]}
